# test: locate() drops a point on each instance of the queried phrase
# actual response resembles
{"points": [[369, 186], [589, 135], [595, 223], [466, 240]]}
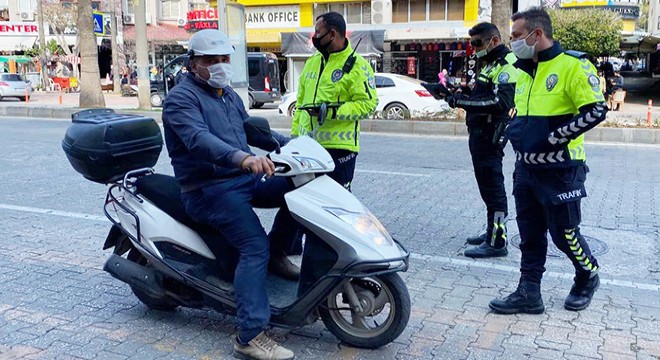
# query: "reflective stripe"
{"points": [[552, 157], [575, 247]]}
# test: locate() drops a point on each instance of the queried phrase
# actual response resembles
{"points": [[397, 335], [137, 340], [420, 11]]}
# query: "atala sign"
{"points": [[268, 17]]}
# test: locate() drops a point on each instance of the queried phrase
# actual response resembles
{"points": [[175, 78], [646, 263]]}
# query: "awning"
{"points": [[639, 42], [16, 43], [18, 59], [162, 33], [300, 43]]}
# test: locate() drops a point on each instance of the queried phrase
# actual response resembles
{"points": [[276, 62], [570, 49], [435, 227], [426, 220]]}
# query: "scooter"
{"points": [[349, 262]]}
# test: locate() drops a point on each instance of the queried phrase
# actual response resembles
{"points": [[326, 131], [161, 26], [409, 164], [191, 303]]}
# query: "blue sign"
{"points": [[99, 29]]}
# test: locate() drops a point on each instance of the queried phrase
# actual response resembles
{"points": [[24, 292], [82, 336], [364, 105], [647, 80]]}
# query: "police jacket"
{"points": [[557, 99], [204, 133], [492, 96], [328, 80]]}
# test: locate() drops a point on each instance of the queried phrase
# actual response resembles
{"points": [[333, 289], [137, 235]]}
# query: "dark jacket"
{"points": [[204, 133], [492, 96]]}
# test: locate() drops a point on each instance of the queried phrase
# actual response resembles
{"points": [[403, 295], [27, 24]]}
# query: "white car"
{"points": [[399, 97], [14, 85]]}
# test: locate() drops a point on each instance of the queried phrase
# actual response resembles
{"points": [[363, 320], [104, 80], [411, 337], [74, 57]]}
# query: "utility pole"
{"points": [[115, 48], [42, 44], [142, 52]]}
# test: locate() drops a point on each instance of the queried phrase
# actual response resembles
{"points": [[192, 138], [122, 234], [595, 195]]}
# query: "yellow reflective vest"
{"points": [[549, 95], [324, 81]]}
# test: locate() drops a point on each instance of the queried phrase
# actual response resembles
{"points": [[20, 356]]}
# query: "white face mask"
{"points": [[522, 50], [220, 75]]}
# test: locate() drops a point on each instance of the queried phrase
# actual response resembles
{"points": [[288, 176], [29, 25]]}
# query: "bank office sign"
{"points": [[269, 17], [628, 9]]}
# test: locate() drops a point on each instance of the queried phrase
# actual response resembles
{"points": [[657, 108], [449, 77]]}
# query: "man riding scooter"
{"points": [[221, 181]]}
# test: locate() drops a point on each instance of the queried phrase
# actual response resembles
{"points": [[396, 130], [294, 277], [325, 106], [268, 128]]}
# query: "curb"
{"points": [[598, 134]]}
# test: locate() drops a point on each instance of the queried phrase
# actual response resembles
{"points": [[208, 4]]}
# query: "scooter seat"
{"points": [[164, 192]]}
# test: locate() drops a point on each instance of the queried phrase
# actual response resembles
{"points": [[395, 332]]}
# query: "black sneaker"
{"points": [[477, 240], [581, 293], [526, 299], [486, 251]]}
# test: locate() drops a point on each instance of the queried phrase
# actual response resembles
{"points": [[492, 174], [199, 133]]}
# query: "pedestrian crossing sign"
{"points": [[99, 29]]}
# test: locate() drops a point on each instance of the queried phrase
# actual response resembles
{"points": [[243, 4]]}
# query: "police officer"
{"points": [[558, 99], [488, 111], [335, 75]]}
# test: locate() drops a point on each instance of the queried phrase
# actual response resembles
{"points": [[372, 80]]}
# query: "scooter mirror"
{"points": [[257, 131], [323, 112]]}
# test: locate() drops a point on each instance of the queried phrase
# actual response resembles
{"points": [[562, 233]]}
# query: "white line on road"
{"points": [[52, 212], [433, 258], [392, 173]]}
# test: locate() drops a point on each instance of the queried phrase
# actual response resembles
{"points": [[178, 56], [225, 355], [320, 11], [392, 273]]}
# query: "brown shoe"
{"points": [[281, 266], [261, 348]]}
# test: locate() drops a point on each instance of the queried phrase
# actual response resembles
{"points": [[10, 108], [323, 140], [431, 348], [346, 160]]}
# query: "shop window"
{"points": [[4, 10], [353, 13], [427, 10], [455, 10], [437, 10], [170, 9]]}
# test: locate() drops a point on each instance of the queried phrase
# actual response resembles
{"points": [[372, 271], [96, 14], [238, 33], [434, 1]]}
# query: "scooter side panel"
{"points": [[156, 225], [308, 203]]}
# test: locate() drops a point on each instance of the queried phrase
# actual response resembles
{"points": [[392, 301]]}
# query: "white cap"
{"points": [[210, 42]]}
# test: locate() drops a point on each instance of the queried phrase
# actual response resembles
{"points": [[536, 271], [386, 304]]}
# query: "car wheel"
{"points": [[250, 102], [1, 98], [25, 98], [396, 111], [257, 105], [156, 100], [292, 110]]}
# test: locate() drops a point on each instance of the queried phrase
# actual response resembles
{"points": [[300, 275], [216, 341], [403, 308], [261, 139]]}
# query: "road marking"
{"points": [[392, 173], [53, 212], [438, 259], [512, 269]]}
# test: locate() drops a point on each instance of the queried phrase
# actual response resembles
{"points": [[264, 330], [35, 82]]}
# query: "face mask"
{"points": [[481, 53], [521, 49], [316, 41], [219, 75]]}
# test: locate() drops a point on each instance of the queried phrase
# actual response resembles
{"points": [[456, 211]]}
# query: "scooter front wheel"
{"points": [[382, 314], [162, 304]]}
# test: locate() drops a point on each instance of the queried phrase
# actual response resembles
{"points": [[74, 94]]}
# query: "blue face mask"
{"points": [[481, 53], [522, 50]]}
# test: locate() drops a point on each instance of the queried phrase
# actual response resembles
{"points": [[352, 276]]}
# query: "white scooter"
{"points": [[349, 264]]}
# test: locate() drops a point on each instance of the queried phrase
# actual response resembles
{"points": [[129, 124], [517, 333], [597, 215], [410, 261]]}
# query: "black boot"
{"points": [[486, 251], [281, 266], [526, 299], [477, 240], [582, 292]]}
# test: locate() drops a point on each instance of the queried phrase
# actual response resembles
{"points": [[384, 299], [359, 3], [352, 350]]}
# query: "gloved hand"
{"points": [[451, 100]]}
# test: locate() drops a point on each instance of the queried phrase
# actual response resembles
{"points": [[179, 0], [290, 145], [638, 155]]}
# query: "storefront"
{"points": [[16, 36]]}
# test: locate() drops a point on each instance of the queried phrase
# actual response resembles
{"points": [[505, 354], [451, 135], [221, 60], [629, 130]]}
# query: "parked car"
{"points": [[399, 97], [14, 85], [263, 72]]}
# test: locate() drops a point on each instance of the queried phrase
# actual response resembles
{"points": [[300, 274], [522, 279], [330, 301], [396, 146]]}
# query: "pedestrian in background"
{"points": [[558, 99]]}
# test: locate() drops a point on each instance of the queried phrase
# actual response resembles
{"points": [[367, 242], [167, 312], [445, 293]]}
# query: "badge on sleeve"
{"points": [[551, 82], [594, 82], [503, 78], [337, 75], [372, 82]]}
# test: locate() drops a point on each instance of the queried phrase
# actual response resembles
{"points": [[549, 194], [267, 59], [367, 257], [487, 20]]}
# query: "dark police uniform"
{"points": [[557, 100], [487, 107]]}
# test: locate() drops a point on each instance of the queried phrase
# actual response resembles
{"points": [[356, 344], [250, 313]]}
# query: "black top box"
{"points": [[104, 146]]}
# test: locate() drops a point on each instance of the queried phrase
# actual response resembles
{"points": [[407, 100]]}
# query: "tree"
{"points": [[593, 31], [91, 95], [501, 17], [643, 20], [61, 18]]}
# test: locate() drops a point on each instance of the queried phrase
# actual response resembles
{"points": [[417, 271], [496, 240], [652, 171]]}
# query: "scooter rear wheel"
{"points": [[161, 304], [385, 311]]}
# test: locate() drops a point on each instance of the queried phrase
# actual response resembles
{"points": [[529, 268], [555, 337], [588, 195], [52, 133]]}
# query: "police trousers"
{"points": [[487, 163], [548, 200]]}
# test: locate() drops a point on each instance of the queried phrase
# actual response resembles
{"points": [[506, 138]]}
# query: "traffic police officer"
{"points": [[558, 99], [335, 75], [488, 111]]}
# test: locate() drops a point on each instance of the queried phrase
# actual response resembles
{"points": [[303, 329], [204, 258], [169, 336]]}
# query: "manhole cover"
{"points": [[597, 247]]}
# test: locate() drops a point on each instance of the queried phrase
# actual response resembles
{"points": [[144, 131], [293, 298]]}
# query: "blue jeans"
{"points": [[228, 208]]}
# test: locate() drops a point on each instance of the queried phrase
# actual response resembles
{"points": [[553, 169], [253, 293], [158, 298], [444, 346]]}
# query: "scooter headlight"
{"points": [[309, 163], [365, 223]]}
